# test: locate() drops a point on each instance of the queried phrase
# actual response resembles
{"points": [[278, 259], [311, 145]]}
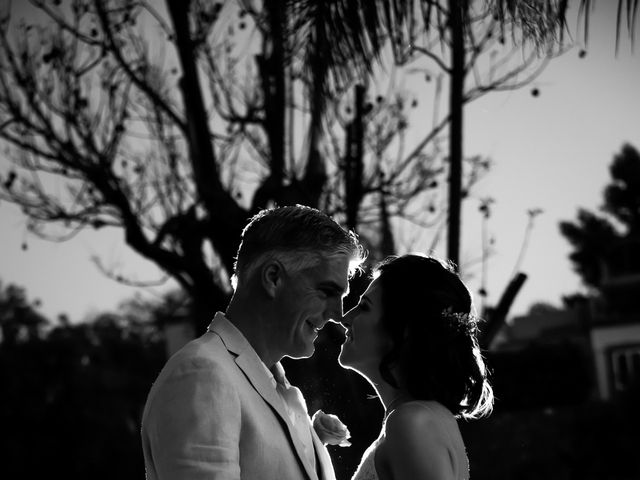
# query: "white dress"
{"points": [[446, 426], [367, 468]]}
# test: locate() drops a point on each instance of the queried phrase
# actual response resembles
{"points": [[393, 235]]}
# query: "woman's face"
{"points": [[366, 342]]}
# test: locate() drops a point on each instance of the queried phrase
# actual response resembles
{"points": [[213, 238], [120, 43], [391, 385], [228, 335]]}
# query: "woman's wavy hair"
{"points": [[428, 312]]}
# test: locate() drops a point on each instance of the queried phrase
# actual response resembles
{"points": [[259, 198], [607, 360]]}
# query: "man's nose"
{"points": [[334, 311]]}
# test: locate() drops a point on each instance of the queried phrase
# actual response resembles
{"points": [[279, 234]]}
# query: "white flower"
{"points": [[330, 429]]}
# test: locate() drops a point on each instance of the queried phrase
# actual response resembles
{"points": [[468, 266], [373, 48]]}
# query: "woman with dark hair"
{"points": [[413, 337]]}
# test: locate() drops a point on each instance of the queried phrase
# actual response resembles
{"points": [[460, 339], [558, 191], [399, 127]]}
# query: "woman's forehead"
{"points": [[372, 293]]}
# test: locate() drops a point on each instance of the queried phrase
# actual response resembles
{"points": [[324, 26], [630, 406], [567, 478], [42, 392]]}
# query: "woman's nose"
{"points": [[345, 320]]}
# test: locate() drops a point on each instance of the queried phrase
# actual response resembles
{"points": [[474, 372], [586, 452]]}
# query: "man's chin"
{"points": [[303, 354]]}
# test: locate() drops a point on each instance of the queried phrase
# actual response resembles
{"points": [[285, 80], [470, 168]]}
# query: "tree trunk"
{"points": [[223, 214], [272, 71], [458, 12], [315, 175], [354, 159], [497, 316], [199, 138]]}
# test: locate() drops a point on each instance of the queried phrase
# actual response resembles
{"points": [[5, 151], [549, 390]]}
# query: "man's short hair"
{"points": [[298, 236]]}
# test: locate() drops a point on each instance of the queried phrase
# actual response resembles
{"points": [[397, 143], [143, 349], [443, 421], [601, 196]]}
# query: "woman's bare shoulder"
{"points": [[416, 441], [417, 413]]}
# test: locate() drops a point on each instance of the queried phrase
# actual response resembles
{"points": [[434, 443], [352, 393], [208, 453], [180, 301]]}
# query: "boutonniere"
{"points": [[330, 429]]}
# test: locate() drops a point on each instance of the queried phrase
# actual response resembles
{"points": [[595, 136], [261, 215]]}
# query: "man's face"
{"points": [[306, 301]]}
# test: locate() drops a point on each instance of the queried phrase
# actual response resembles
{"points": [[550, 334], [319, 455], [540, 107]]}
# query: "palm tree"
{"points": [[370, 25]]}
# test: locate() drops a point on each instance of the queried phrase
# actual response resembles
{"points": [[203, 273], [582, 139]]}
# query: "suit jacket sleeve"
{"points": [[194, 424]]}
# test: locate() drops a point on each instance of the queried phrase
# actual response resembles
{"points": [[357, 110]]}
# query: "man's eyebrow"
{"points": [[335, 286]]}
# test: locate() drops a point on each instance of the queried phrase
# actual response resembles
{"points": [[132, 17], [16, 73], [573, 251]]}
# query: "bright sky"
{"points": [[550, 152]]}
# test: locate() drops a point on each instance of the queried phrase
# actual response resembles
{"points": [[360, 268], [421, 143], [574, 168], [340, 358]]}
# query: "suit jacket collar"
{"points": [[232, 338], [254, 369], [248, 360]]}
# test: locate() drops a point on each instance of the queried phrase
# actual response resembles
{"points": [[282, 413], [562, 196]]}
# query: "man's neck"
{"points": [[254, 328]]}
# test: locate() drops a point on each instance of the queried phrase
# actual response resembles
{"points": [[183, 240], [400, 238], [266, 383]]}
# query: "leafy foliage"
{"points": [[606, 242], [590, 441], [591, 235], [19, 318], [622, 196], [72, 396]]}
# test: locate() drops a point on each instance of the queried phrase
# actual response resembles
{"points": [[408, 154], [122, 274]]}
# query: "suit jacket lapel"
{"points": [[325, 466], [249, 362], [279, 372], [256, 374]]}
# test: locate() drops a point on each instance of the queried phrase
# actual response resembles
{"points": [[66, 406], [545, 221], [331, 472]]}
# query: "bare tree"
{"points": [[174, 124]]}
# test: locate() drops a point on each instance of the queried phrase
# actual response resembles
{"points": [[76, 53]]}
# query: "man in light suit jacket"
{"points": [[222, 407]]}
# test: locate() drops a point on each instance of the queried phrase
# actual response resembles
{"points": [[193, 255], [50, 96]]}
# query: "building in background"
{"points": [[615, 321], [605, 327]]}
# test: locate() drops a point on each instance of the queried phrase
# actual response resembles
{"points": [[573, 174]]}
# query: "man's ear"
{"points": [[272, 273]]}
